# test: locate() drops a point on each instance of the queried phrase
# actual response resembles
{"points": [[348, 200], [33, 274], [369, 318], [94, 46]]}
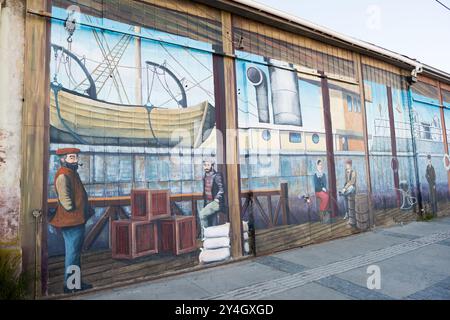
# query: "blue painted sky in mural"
{"points": [[415, 28], [193, 65]]}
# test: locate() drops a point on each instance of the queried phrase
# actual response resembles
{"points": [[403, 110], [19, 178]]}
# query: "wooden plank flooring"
{"points": [[99, 269]]}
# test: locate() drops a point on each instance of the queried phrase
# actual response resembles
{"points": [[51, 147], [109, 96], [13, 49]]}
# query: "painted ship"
{"points": [[76, 118], [80, 117]]}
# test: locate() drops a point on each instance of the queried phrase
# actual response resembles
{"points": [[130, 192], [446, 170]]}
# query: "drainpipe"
{"points": [[410, 81], [2, 5]]}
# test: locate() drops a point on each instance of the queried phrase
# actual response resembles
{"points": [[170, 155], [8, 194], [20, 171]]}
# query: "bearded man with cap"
{"points": [[72, 211]]}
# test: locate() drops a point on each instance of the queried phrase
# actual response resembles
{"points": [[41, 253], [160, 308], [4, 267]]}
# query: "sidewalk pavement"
{"points": [[414, 261]]}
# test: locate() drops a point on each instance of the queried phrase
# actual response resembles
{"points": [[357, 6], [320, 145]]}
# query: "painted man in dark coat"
{"points": [[213, 193], [431, 178]]}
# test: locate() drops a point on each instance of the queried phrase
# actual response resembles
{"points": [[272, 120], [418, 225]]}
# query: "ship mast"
{"points": [[138, 61]]}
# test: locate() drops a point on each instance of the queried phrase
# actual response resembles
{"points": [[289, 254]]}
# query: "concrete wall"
{"points": [[11, 94]]}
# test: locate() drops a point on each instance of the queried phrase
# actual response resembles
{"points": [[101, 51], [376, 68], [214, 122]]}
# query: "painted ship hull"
{"points": [[79, 119]]}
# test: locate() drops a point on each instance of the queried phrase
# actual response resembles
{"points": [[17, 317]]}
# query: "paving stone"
{"points": [[400, 235], [281, 264], [352, 290]]}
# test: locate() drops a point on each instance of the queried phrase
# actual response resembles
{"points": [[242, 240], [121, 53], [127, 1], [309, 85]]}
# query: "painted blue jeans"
{"points": [[73, 242], [349, 196]]}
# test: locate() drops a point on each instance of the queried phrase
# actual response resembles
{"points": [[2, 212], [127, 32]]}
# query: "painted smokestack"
{"points": [[285, 94], [259, 81]]}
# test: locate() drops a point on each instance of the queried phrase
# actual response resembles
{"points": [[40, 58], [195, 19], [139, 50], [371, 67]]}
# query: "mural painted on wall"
{"points": [[349, 154], [283, 141], [133, 174], [135, 181], [390, 142], [428, 134]]}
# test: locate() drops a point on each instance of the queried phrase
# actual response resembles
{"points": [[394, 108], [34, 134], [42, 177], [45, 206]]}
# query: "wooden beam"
{"points": [[360, 77], [444, 86], [109, 214], [232, 144], [329, 142], [444, 128], [284, 203], [35, 130], [119, 201]]}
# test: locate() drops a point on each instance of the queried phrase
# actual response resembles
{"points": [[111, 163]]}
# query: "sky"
{"points": [[419, 29]]}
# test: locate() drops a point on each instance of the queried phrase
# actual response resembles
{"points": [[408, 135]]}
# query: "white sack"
{"points": [[244, 226], [217, 231], [214, 255], [215, 243], [246, 247], [245, 235]]}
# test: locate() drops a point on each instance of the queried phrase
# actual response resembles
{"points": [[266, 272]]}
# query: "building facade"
{"points": [[310, 136]]}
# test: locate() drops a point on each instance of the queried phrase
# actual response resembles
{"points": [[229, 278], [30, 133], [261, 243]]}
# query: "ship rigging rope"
{"points": [[165, 87], [148, 107], [194, 82], [149, 110], [64, 61]]}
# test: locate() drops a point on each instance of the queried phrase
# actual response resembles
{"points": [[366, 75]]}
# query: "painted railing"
{"points": [[251, 208]]}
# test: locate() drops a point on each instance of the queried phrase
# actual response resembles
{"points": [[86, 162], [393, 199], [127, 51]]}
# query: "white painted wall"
{"points": [[12, 24]]}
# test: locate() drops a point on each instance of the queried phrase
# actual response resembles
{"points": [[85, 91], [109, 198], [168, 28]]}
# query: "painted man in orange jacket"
{"points": [[72, 212]]}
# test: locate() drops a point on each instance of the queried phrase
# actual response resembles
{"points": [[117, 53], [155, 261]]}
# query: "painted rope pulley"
{"points": [[447, 162]]}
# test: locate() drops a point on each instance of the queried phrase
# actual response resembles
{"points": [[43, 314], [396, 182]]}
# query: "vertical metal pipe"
{"points": [[414, 147], [395, 164]]}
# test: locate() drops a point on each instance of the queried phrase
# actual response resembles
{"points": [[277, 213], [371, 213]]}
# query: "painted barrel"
{"points": [[362, 211]]}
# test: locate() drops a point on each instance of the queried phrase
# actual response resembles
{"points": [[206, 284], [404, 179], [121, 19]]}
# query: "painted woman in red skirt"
{"points": [[320, 185]]}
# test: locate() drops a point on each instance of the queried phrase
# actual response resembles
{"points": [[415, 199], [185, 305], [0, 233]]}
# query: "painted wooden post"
{"points": [[231, 147], [444, 128], [284, 198], [35, 129], [329, 142], [360, 77]]}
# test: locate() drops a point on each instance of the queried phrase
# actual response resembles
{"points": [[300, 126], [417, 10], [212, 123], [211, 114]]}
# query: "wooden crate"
{"points": [[149, 205], [178, 234], [134, 239]]}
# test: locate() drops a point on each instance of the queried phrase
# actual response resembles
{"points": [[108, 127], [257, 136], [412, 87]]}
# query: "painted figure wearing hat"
{"points": [[72, 211], [213, 193], [348, 192], [431, 178], [320, 187]]}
